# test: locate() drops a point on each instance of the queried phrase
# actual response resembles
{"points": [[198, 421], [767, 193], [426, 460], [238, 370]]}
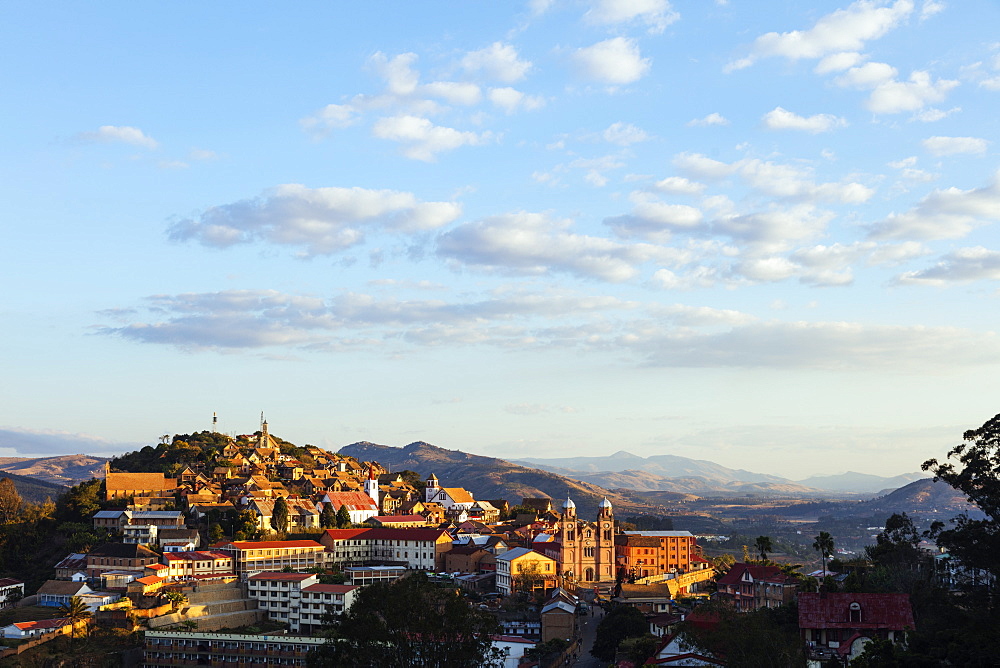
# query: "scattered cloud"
{"points": [[656, 15], [422, 140], [498, 62], [614, 61], [624, 134], [962, 265], [512, 100], [943, 214], [845, 30], [893, 97], [837, 62], [955, 145], [19, 442], [536, 244], [708, 121], [782, 119], [678, 185], [320, 220], [125, 134]]}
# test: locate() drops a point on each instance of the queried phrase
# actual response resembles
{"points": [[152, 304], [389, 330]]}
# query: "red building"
{"points": [[841, 624], [749, 587]]}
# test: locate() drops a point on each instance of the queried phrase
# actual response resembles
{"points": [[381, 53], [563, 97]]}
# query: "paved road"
{"points": [[589, 626]]}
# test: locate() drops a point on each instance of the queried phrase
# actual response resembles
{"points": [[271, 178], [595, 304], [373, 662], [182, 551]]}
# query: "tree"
{"points": [[621, 623], [343, 517], [763, 546], [215, 534], [409, 622], [328, 517], [824, 545], [528, 578], [976, 542], [75, 611], [10, 501], [176, 598], [279, 516]]}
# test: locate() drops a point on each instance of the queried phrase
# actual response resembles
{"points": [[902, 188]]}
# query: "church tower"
{"points": [[431, 489], [371, 485], [567, 538]]}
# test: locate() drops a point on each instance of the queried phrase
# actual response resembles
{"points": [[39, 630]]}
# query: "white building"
{"points": [[298, 599]]}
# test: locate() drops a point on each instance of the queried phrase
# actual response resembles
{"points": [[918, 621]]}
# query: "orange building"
{"points": [[645, 553]]}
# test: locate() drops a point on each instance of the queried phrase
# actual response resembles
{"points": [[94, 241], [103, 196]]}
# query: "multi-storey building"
{"points": [[225, 650], [185, 565], [251, 557], [119, 557], [524, 569], [645, 553], [422, 549], [750, 587], [298, 599]]}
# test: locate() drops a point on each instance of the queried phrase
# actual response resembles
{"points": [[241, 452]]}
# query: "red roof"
{"points": [[387, 533], [833, 611], [264, 544], [42, 624], [195, 556], [397, 518]]}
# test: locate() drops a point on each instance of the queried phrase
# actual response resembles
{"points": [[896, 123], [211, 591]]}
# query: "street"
{"points": [[588, 627]]}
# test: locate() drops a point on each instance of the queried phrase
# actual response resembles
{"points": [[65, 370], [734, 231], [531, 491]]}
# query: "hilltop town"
{"points": [[251, 545]]}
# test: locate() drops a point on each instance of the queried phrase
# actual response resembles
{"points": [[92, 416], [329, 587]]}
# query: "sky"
{"points": [[759, 233]]}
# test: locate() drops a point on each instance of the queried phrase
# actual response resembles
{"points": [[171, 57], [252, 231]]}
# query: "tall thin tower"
{"points": [[215, 422]]}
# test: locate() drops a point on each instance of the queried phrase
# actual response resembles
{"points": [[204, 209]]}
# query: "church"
{"points": [[587, 549]]}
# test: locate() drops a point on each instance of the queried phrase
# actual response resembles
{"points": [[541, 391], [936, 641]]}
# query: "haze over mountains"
{"points": [[698, 476]]}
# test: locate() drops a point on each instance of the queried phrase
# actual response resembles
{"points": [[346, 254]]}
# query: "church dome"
{"points": [[568, 503], [604, 504]]}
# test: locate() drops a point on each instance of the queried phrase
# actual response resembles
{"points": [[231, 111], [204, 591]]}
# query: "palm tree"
{"points": [[763, 546], [75, 611], [824, 545]]}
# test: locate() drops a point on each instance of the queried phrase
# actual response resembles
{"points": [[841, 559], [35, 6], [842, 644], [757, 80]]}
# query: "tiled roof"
{"points": [[62, 587], [9, 582], [459, 495], [195, 555], [735, 574], [833, 611], [264, 544], [389, 519], [345, 534], [123, 551], [353, 501], [42, 624], [138, 481]]}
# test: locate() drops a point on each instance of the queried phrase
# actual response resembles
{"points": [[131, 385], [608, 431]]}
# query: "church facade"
{"points": [[587, 549]]}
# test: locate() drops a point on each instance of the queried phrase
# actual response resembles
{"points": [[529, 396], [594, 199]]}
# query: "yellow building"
{"points": [[521, 568]]}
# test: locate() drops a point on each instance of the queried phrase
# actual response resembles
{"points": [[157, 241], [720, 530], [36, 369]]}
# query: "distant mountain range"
{"points": [[33, 489], [698, 476], [489, 477], [63, 470]]}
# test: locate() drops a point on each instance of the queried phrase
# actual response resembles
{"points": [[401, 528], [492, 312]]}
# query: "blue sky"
{"points": [[758, 233]]}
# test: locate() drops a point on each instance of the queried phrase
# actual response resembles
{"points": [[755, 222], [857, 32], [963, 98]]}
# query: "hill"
{"points": [[667, 466], [855, 482], [923, 497], [33, 489], [489, 477], [62, 470]]}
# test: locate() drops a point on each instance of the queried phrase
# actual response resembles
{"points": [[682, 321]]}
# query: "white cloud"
{"points": [[655, 14], [955, 145], [944, 214], [613, 61], [678, 185], [710, 120], [454, 92], [867, 76], [511, 100], [332, 116], [782, 119], [656, 221], [932, 115], [498, 61], [930, 8], [893, 97], [126, 134], [774, 179], [843, 30], [22, 442], [962, 265], [422, 140], [624, 134], [322, 220], [535, 244], [837, 62]]}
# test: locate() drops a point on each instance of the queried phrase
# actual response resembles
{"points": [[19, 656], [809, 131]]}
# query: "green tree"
{"points": [[215, 534], [759, 639], [10, 501], [343, 517], [763, 546], [409, 622], [328, 517], [621, 623], [824, 545], [279, 516], [176, 598], [75, 611], [638, 649], [976, 542]]}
